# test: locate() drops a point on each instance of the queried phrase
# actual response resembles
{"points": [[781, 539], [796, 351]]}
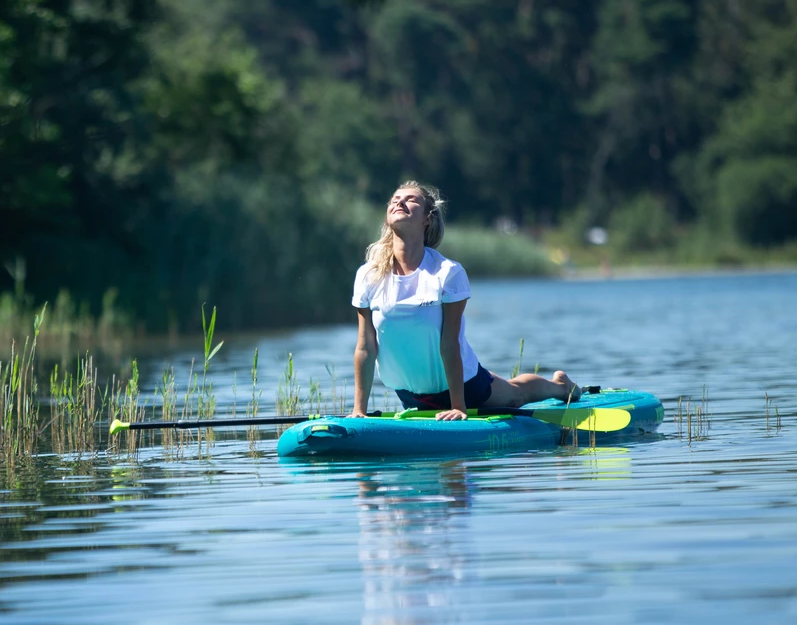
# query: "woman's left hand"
{"points": [[451, 415]]}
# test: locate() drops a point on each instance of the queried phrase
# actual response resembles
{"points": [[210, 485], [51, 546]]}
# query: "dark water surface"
{"points": [[658, 530]]}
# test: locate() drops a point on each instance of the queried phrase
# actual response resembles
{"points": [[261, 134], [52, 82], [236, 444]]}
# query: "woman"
{"points": [[410, 301]]}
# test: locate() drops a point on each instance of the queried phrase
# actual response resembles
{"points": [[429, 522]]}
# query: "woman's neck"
{"points": [[407, 254]]}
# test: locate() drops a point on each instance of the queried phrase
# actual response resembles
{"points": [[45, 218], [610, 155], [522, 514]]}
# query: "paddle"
{"points": [[592, 419]]}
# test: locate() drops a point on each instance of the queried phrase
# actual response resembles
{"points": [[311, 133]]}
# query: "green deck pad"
{"points": [[414, 415]]}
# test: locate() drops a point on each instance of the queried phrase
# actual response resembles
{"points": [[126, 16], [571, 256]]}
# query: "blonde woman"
{"points": [[410, 302]]}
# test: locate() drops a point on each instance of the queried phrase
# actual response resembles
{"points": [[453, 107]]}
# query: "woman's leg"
{"points": [[529, 387]]}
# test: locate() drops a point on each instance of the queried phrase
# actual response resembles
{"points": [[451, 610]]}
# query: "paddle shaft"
{"points": [[195, 424], [583, 418]]}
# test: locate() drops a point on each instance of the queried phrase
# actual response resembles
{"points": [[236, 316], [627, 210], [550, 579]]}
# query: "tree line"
{"points": [[182, 151]]}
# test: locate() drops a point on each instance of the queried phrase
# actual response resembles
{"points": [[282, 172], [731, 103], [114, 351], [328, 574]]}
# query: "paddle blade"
{"points": [[590, 419], [117, 426]]}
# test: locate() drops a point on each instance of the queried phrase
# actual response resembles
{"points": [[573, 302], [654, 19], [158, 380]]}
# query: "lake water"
{"points": [[659, 530]]}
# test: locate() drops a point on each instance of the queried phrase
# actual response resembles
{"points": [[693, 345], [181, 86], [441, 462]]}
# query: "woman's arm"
{"points": [[364, 361], [452, 359]]}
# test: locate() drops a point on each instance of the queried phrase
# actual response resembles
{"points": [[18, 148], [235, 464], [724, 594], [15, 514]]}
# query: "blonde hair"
{"points": [[379, 255]]}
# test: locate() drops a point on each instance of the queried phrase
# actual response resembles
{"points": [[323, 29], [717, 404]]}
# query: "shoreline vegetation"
{"points": [[70, 415], [64, 416], [485, 253]]}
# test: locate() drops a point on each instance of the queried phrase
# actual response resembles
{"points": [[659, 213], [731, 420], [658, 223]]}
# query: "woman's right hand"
{"points": [[357, 414]]}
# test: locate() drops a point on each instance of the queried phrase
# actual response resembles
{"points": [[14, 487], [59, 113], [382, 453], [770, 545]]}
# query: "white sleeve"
{"points": [[362, 293], [456, 286]]}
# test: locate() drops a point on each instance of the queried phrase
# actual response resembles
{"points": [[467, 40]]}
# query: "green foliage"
{"points": [[157, 154], [346, 137], [485, 253], [288, 389], [642, 224], [744, 174], [643, 53], [19, 404], [760, 195]]}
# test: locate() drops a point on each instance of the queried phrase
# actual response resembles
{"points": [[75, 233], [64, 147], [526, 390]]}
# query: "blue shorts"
{"points": [[477, 391]]}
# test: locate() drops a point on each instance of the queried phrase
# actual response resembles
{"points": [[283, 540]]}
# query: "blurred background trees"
{"points": [[239, 153]]}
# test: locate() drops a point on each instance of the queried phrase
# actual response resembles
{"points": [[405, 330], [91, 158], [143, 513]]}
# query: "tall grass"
{"points": [[76, 406], [19, 405], [253, 407], [519, 364], [291, 400], [337, 402], [207, 404], [693, 418], [768, 405], [288, 400], [77, 402]]}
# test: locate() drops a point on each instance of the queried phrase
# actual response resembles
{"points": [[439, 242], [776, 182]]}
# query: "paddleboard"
{"points": [[424, 436]]}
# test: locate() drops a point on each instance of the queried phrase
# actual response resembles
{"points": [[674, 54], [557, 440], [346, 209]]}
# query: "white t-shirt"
{"points": [[407, 312]]}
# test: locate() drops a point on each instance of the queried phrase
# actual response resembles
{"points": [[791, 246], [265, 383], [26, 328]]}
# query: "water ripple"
{"points": [[665, 529]]}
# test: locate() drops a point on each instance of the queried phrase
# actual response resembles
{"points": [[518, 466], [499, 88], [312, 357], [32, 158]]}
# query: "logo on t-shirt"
{"points": [[429, 303]]}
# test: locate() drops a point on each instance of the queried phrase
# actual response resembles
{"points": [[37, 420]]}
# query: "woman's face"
{"points": [[407, 209]]}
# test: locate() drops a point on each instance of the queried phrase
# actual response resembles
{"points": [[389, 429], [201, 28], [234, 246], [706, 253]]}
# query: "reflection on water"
{"points": [[655, 530], [415, 542], [408, 518]]}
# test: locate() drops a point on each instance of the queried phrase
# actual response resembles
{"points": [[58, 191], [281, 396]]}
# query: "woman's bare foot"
{"points": [[570, 390]]}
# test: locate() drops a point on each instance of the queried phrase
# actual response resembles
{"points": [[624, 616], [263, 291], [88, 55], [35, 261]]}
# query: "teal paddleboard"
{"points": [[423, 436]]}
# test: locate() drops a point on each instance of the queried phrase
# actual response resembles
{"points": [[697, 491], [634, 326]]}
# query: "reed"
{"points": [[518, 365], [291, 400], [125, 404], [77, 402], [315, 398], [695, 416], [517, 369], [191, 390], [768, 406], [253, 407], [19, 405], [76, 406], [574, 431], [166, 391], [207, 403], [337, 402], [574, 435], [288, 389]]}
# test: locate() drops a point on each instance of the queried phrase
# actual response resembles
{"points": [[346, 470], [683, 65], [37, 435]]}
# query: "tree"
{"points": [[642, 54], [745, 174], [66, 110]]}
